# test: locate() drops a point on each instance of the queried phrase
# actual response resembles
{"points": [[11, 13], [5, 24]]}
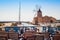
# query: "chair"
{"points": [[56, 37], [13, 35], [3, 35]]}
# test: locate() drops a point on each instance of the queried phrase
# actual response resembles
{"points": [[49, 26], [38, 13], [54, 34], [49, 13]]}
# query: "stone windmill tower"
{"points": [[37, 15]]}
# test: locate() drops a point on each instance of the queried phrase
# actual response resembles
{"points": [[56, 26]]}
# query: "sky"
{"points": [[9, 9]]}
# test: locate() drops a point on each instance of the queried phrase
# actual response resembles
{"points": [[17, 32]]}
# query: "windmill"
{"points": [[35, 15], [36, 9]]}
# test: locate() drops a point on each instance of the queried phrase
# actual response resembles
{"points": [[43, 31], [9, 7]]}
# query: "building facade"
{"points": [[43, 19]]}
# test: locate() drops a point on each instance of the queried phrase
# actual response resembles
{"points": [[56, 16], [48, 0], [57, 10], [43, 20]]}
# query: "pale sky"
{"points": [[9, 9]]}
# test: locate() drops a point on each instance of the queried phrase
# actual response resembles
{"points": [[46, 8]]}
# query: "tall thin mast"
{"points": [[19, 10]]}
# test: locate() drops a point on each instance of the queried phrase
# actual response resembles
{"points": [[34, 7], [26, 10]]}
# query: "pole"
{"points": [[19, 11]]}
